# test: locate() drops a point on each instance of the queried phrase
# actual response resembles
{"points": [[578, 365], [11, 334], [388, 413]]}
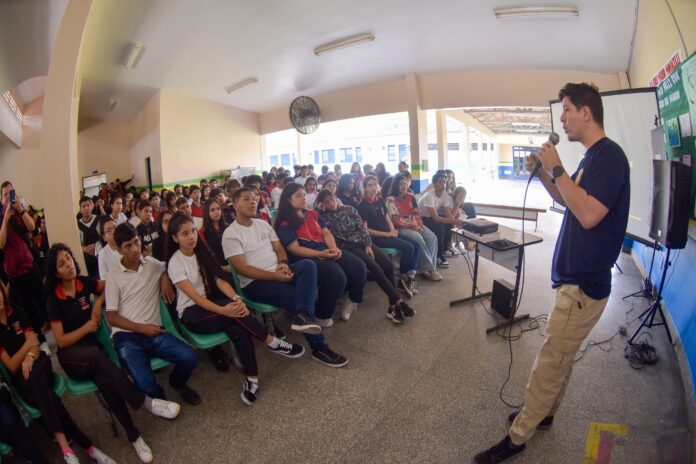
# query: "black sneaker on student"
{"points": [[289, 350], [545, 423], [189, 395], [250, 390], [404, 286], [328, 357], [217, 356], [499, 453], [442, 262], [305, 323], [406, 310], [394, 313]]}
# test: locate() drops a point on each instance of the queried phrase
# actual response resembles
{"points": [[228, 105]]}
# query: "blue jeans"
{"points": [[294, 296], [428, 246], [135, 350], [410, 251]]}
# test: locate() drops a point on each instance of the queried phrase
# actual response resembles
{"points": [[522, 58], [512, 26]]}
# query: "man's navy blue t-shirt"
{"points": [[585, 257]]}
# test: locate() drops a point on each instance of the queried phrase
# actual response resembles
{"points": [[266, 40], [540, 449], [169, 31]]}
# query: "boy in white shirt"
{"points": [[435, 207]]}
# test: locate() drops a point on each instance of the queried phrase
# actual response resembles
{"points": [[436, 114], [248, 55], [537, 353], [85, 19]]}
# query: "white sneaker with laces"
{"points": [[142, 450], [325, 323], [71, 459], [100, 457], [347, 308], [164, 408]]}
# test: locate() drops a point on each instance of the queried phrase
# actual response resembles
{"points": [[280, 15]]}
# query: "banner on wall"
{"points": [[677, 103]]}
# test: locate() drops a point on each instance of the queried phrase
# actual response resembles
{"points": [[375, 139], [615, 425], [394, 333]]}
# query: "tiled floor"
{"points": [[425, 392]]}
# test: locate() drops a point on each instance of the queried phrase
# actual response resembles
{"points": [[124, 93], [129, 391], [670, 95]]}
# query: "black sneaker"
{"points": [[217, 356], [250, 390], [442, 262], [406, 310], [189, 395], [500, 452], [404, 286], [545, 423], [394, 313], [303, 322], [289, 350], [328, 357]]}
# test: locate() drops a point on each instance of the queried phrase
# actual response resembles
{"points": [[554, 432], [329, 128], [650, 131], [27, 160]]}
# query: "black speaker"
{"points": [[502, 298], [669, 223]]}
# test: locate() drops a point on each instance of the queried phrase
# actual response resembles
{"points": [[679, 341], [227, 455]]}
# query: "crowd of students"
{"points": [[302, 242]]}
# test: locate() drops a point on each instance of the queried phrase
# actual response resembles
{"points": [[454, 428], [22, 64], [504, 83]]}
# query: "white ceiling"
{"points": [[200, 47]]}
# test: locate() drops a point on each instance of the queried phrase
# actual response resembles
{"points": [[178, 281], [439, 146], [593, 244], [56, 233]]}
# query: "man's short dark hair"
{"points": [[143, 204], [288, 180], [253, 179], [84, 199], [584, 95], [193, 188], [180, 201], [238, 193], [439, 175], [123, 233], [215, 192]]}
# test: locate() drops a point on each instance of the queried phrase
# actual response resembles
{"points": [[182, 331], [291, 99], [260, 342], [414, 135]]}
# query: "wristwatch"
{"points": [[234, 298], [557, 172]]}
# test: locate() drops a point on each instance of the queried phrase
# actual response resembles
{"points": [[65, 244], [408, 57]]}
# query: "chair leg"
{"points": [[107, 409]]}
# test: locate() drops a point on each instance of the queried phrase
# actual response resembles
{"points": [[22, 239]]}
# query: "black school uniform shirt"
{"points": [[12, 334], [74, 312], [147, 233]]}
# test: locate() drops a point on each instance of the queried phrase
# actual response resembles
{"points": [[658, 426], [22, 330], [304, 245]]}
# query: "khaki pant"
{"points": [[573, 316]]}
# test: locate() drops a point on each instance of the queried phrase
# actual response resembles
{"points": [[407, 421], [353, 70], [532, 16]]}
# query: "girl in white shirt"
{"points": [[311, 192], [207, 303], [116, 204]]}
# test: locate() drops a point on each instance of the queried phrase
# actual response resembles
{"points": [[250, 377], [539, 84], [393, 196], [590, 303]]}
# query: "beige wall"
{"points": [[657, 37], [199, 138], [23, 168], [146, 142], [505, 152], [105, 147]]}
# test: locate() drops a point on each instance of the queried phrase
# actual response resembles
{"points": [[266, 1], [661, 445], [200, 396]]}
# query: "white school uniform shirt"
{"points": [[429, 199], [182, 267], [254, 242], [135, 295], [108, 260], [275, 196]]}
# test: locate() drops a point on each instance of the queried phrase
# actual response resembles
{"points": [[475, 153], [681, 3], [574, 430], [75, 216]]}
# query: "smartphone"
{"points": [[13, 195]]}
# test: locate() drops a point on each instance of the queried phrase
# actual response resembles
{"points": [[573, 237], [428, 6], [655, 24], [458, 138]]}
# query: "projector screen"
{"points": [[629, 118]]}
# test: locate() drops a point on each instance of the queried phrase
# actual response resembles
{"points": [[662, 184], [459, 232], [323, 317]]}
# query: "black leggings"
{"points": [[24, 290], [238, 329], [443, 232], [38, 390], [91, 363], [380, 267]]}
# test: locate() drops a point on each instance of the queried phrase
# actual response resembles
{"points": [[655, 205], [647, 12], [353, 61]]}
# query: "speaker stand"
{"points": [[649, 314], [648, 289]]}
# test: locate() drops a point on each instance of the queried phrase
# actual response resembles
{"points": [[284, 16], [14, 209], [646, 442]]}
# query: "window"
{"points": [[391, 152], [346, 155], [358, 154], [285, 159], [432, 147], [453, 146], [519, 156], [484, 146], [317, 157], [328, 156], [404, 152], [474, 146], [492, 146], [274, 160]]}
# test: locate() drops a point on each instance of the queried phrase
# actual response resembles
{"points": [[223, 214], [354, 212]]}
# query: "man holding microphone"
{"points": [[596, 198]]}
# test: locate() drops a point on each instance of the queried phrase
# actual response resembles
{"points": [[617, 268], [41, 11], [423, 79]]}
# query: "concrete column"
{"points": [[418, 130], [466, 153], [61, 184], [301, 156], [441, 127]]}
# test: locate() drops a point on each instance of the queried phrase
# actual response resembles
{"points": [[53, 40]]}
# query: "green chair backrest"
{"points": [[167, 321], [104, 337], [256, 306]]}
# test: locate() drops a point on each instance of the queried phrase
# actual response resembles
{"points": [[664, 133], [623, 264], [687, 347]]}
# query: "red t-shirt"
{"points": [[18, 259]]}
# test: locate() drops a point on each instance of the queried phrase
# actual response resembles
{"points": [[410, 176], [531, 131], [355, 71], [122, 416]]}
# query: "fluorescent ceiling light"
{"points": [[536, 11], [239, 85], [343, 43], [134, 53]]}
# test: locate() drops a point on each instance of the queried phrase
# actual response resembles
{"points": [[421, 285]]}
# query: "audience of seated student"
{"points": [[40, 239], [274, 171], [213, 184], [88, 228], [357, 173], [337, 170], [380, 173], [368, 170], [205, 192], [196, 203], [219, 195], [99, 207], [155, 203], [435, 207], [304, 175], [305, 235], [403, 212], [158, 251], [133, 213], [254, 251], [206, 302], [108, 255], [402, 167], [310, 171], [231, 186], [351, 235], [144, 194], [116, 205], [147, 229], [451, 183], [133, 292], [18, 259], [170, 201], [373, 211], [311, 191], [256, 181], [14, 432], [214, 225], [296, 171], [462, 209], [346, 190], [74, 324], [104, 191], [183, 207], [32, 373], [324, 170], [277, 189], [269, 184]]}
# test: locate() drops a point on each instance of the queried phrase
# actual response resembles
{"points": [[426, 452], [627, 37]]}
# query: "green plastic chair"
{"points": [[390, 251], [4, 449], [198, 340], [29, 412], [262, 308], [168, 324]]}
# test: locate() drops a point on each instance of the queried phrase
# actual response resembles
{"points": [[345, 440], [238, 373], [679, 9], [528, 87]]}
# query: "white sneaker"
{"points": [[71, 459], [142, 450], [164, 408], [101, 458], [347, 309], [46, 349], [325, 323]]}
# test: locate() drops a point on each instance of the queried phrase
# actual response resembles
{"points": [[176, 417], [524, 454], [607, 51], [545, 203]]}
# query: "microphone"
{"points": [[554, 139]]}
